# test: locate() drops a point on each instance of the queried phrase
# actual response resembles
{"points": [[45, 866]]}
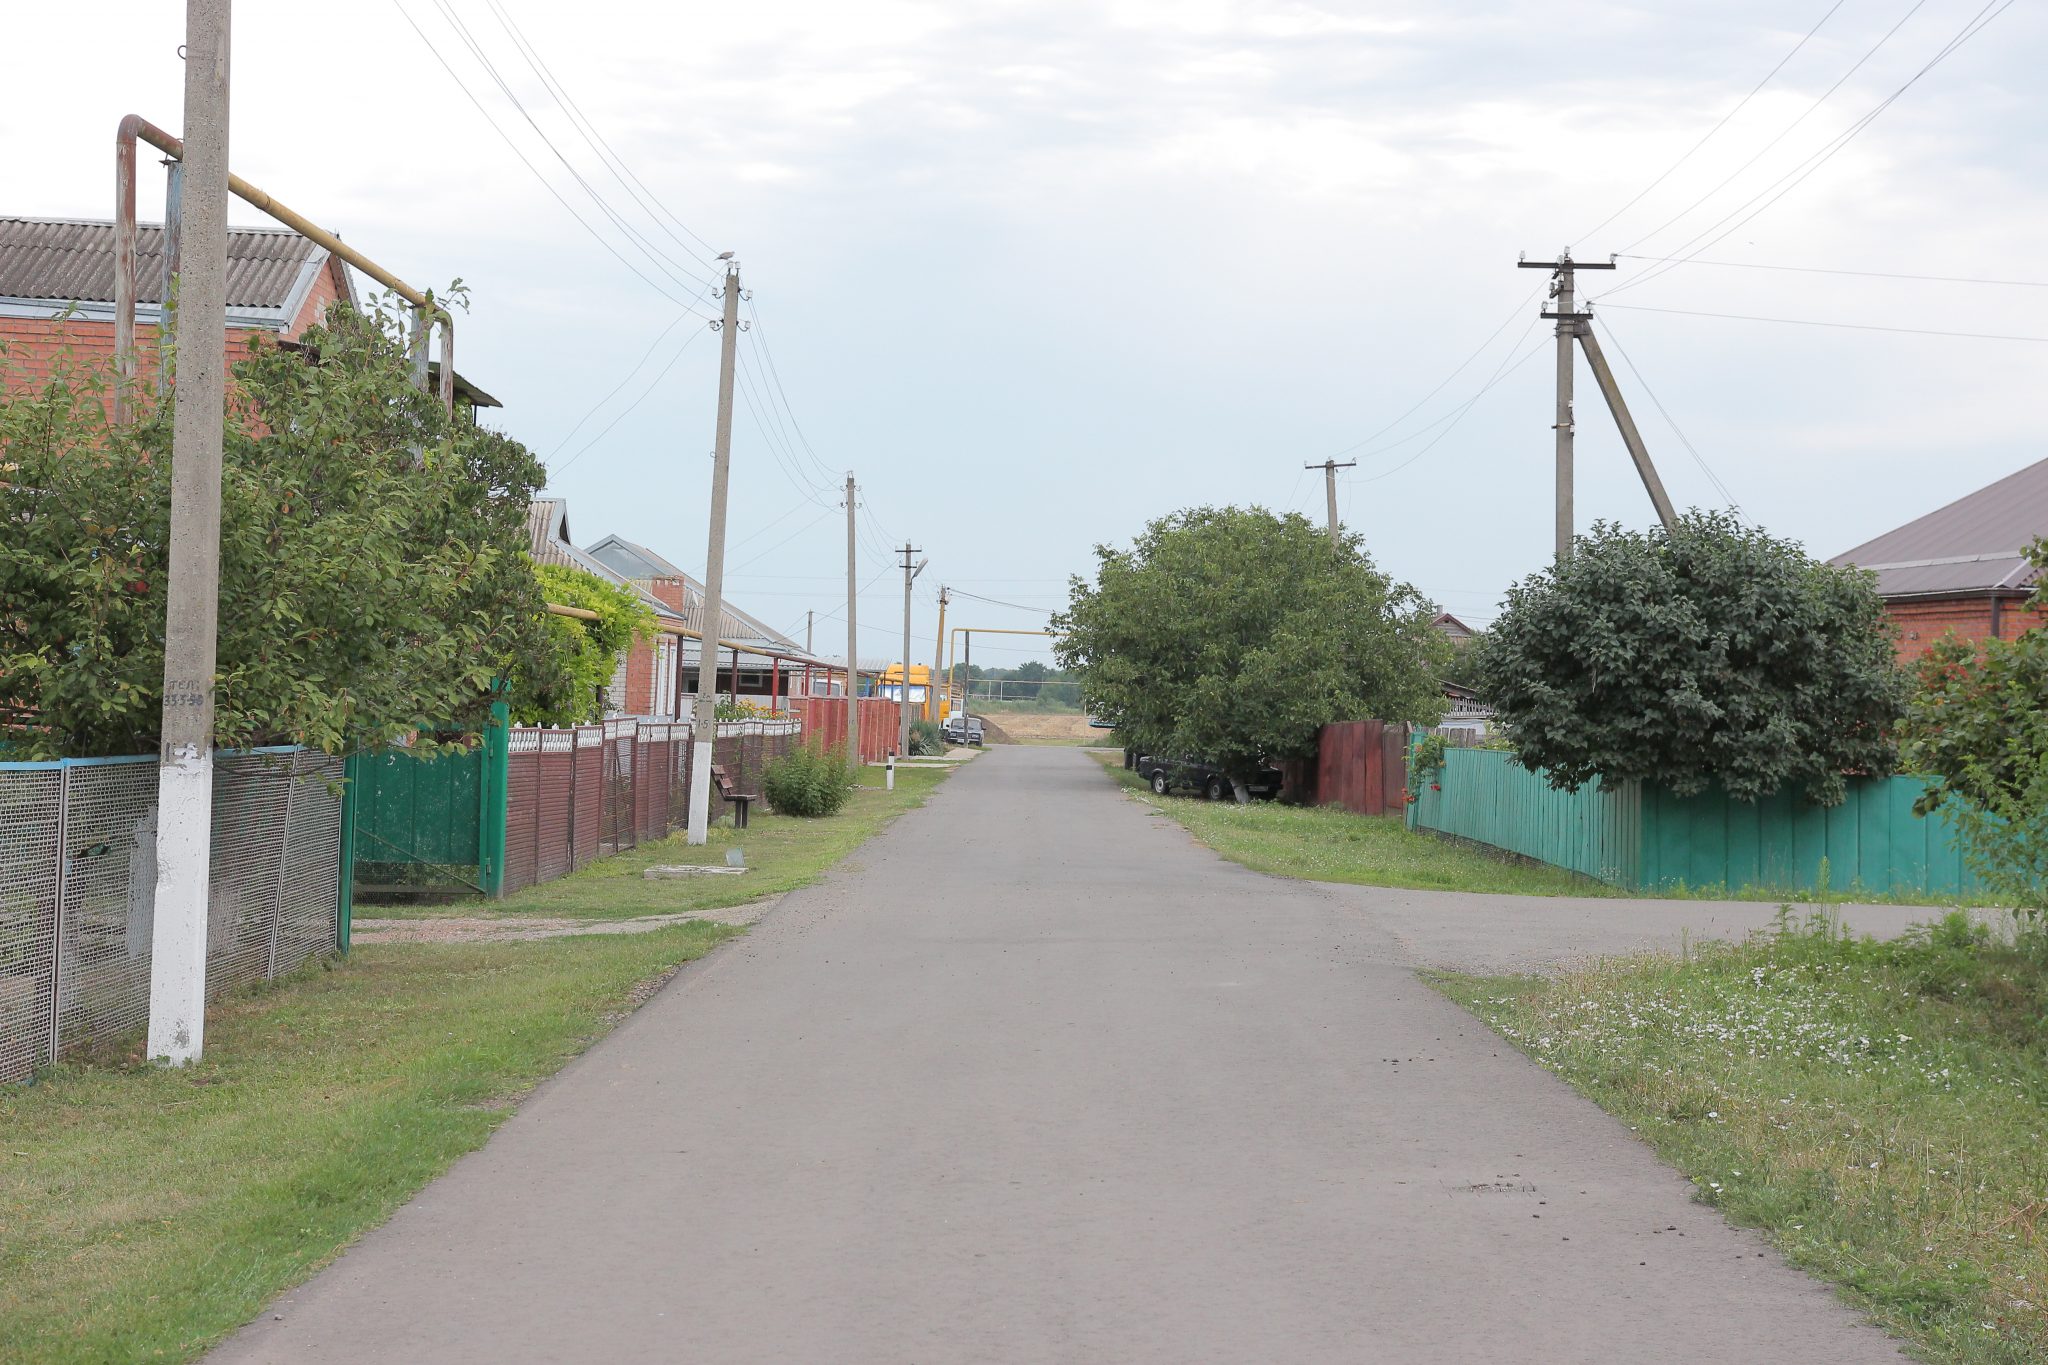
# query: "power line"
{"points": [[997, 602], [1793, 178], [803, 530], [1787, 130], [527, 162], [1669, 420], [606, 153], [1815, 322], [760, 335], [1499, 374], [651, 386], [1823, 270], [661, 259], [571, 434], [1442, 383], [1740, 105]]}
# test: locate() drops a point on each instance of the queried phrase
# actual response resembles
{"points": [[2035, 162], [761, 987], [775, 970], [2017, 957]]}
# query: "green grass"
{"points": [[147, 1212], [783, 851], [1327, 844], [1878, 1109]]}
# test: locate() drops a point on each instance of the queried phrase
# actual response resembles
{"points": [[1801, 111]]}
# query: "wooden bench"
{"points": [[740, 800]]}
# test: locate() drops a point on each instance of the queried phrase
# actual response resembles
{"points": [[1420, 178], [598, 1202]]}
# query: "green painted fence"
{"points": [[1645, 839], [423, 822]]}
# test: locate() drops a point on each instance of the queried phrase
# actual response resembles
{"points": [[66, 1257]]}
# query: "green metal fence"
{"points": [[1645, 839], [421, 823]]}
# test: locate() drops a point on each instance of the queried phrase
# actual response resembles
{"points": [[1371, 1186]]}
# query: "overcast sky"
{"points": [[1039, 272]]}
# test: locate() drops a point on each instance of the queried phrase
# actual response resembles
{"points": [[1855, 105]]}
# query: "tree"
{"points": [[373, 575], [587, 651], [1978, 726], [1237, 635], [1708, 653]]}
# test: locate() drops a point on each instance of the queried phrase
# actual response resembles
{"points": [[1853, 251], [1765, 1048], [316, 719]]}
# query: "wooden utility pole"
{"points": [[933, 709], [852, 634], [704, 717], [1330, 468], [184, 821], [903, 707]]}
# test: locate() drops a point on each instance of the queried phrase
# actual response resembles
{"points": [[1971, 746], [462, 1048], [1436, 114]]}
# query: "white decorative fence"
{"points": [[78, 885]]}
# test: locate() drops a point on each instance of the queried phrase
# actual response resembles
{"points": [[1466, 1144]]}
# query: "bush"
{"points": [[926, 739], [1707, 653], [810, 781]]}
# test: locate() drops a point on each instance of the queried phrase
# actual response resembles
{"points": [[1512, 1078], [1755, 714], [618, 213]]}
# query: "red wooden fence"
{"points": [[824, 721], [1361, 765]]}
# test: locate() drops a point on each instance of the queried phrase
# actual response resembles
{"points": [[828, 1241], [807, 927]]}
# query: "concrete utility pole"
{"points": [[903, 707], [184, 802], [1575, 325], [933, 710], [852, 634], [1330, 468], [807, 615], [704, 717]]}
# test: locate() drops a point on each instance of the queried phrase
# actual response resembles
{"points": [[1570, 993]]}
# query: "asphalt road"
{"points": [[1033, 1077]]}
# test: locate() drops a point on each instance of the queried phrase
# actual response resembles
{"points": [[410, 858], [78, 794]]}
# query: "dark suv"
{"points": [[1165, 775]]}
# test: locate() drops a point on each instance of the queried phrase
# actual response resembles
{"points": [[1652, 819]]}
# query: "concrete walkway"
{"points": [[1033, 1077]]}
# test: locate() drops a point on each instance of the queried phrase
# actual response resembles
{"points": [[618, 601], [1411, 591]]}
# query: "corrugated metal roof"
{"points": [[636, 561], [73, 259], [1976, 544]]}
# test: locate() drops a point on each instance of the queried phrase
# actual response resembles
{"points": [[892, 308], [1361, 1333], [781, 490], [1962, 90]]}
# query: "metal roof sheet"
{"points": [[1975, 544], [73, 260]]}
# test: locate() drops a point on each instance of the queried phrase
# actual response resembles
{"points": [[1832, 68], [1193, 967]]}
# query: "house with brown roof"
{"points": [[1963, 567], [57, 293]]}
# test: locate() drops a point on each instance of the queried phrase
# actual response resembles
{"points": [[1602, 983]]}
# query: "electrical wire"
{"points": [[1815, 322], [1786, 131], [1740, 105], [527, 162], [571, 434], [661, 259], [651, 386], [997, 602], [1792, 179], [760, 334], [607, 154], [1669, 420], [803, 530], [1823, 270], [1499, 374], [1442, 383]]}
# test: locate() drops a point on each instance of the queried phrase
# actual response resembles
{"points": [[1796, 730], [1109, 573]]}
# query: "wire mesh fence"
{"points": [[78, 889]]}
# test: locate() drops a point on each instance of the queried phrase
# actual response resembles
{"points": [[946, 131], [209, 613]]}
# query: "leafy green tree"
{"points": [[587, 651], [1709, 653], [1235, 634], [1978, 726], [373, 575]]}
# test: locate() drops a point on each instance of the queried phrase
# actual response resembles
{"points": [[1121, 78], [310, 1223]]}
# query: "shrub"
{"points": [[1707, 653], [926, 738], [810, 781]]}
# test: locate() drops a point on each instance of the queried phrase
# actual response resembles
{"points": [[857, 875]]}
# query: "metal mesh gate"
{"points": [[78, 887]]}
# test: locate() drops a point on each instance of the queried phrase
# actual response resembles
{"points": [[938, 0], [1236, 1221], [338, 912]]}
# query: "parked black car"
{"points": [[1166, 774]]}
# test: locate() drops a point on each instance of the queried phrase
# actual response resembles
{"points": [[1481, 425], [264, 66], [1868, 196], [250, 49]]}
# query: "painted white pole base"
{"points": [[700, 792], [184, 870], [889, 775]]}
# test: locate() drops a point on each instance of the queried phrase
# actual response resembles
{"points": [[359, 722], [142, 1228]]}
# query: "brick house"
{"points": [[1962, 567], [57, 291], [649, 680]]}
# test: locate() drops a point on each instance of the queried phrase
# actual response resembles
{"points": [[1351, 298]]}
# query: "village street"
{"points": [[1034, 1077]]}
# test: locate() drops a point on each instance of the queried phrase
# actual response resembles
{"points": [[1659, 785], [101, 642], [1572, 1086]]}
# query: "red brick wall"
{"points": [[1922, 622], [33, 343]]}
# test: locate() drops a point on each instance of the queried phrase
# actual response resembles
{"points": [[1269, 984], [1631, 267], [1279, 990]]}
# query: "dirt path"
{"points": [[526, 928]]}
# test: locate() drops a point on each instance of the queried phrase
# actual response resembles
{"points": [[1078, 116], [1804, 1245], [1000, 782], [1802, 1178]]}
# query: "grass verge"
{"points": [[1878, 1109], [1326, 844], [783, 852], [148, 1212]]}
